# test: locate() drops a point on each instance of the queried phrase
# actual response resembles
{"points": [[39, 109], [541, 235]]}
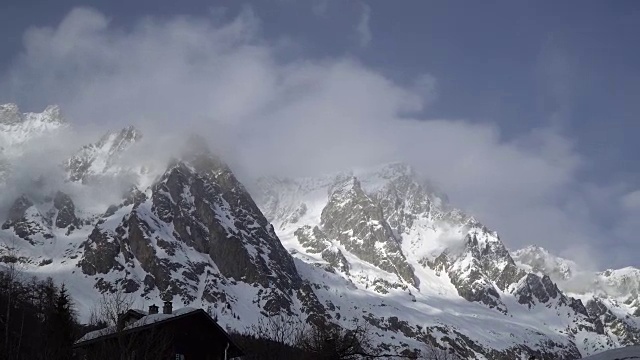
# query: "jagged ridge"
{"points": [[380, 245]]}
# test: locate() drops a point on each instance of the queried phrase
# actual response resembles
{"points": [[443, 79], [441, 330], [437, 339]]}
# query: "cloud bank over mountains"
{"points": [[266, 113]]}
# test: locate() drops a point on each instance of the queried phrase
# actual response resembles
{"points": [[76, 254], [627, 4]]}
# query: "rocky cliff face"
{"points": [[334, 220], [197, 207], [37, 224], [18, 127], [610, 297], [379, 245], [100, 158], [356, 221]]}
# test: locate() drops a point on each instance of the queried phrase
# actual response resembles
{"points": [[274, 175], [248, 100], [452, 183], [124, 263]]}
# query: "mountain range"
{"points": [[378, 245]]}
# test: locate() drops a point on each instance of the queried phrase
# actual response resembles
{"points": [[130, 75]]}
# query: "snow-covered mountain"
{"points": [[99, 159], [381, 245], [612, 283], [17, 129], [426, 250], [627, 353], [537, 260]]}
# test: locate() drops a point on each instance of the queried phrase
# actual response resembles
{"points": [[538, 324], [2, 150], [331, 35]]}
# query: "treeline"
{"points": [[36, 318], [38, 322], [284, 337]]}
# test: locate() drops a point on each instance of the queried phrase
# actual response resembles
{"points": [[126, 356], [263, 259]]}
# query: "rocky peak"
{"points": [[207, 164], [26, 221], [378, 244], [532, 288], [357, 222], [624, 328], [538, 260], [10, 114], [19, 208], [52, 116], [469, 273], [406, 196], [198, 207], [401, 175], [66, 211], [117, 141], [101, 157], [18, 128], [53, 113]]}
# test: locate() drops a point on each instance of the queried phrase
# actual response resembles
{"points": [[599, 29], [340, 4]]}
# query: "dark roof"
{"points": [[135, 313], [146, 321]]}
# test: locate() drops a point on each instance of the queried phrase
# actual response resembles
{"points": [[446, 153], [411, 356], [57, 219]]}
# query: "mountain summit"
{"points": [[100, 158], [17, 127], [381, 245]]}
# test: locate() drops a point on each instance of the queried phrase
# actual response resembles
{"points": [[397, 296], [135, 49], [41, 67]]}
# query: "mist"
{"points": [[267, 114]]}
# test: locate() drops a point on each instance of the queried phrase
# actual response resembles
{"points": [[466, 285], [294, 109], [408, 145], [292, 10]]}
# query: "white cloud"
{"points": [[631, 200], [363, 28], [303, 116]]}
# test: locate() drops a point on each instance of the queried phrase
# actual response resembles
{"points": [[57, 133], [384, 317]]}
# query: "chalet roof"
{"points": [[147, 321], [144, 320]]}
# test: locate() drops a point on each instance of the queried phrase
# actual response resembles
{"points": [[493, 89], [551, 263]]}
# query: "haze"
{"points": [[524, 113]]}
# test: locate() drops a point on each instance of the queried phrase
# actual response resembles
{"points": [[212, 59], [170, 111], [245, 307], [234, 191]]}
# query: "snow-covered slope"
{"points": [[390, 233], [627, 353], [380, 245], [16, 128], [611, 295], [101, 158]]}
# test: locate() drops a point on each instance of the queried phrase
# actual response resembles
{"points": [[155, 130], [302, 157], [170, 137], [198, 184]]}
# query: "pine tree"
{"points": [[64, 324], [48, 294]]}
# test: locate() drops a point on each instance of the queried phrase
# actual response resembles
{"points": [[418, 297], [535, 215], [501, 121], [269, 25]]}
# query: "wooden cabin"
{"points": [[184, 334]]}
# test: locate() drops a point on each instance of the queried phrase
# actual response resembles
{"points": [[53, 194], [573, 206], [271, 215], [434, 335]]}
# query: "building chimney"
{"points": [[153, 309], [167, 308]]}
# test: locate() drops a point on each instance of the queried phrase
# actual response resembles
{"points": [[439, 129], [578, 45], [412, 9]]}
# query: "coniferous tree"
{"points": [[41, 324], [49, 294], [64, 325]]}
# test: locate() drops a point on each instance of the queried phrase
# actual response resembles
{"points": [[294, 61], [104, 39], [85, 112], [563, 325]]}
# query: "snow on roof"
{"points": [[145, 320]]}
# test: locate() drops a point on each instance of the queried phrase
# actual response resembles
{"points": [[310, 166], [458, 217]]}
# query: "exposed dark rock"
{"points": [[100, 253], [472, 272], [336, 259], [357, 222], [66, 211], [472, 286], [26, 221], [604, 318], [198, 203]]}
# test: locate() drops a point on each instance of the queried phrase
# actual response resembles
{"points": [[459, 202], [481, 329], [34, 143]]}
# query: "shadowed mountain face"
{"points": [[196, 207], [380, 245]]}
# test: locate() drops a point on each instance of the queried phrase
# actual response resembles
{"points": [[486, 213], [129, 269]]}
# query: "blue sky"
{"points": [[524, 112]]}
